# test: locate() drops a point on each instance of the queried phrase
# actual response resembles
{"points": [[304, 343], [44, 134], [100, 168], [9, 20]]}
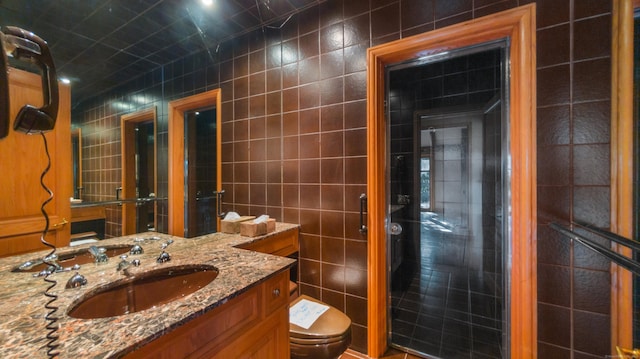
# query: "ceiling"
{"points": [[100, 44]]}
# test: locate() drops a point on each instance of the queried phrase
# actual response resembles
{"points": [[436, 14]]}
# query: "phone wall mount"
{"points": [[26, 46]]}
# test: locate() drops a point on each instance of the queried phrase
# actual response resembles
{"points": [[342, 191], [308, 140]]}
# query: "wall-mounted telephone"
{"points": [[26, 46]]}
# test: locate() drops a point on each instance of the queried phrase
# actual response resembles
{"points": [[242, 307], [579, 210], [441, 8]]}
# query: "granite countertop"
{"points": [[23, 332]]}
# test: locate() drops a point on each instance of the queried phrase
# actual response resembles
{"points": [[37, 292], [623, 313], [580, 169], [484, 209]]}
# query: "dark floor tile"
{"points": [[426, 335], [425, 347], [434, 311], [436, 290], [455, 352], [458, 299], [401, 340], [483, 305], [458, 331], [408, 316], [452, 310], [492, 323], [412, 297], [433, 300], [458, 315], [402, 328], [430, 322]]}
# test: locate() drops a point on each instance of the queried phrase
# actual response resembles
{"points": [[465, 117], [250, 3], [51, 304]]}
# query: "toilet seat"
{"points": [[332, 326]]}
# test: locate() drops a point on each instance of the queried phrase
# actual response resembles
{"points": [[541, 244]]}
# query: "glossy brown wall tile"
{"points": [[573, 174], [294, 142]]}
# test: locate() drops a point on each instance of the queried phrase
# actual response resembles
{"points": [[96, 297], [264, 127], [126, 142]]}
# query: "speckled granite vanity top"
{"points": [[22, 327]]}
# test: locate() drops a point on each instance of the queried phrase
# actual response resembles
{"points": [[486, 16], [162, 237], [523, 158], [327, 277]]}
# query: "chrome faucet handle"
{"points": [[163, 257], [136, 249], [166, 244], [123, 263], [76, 281]]}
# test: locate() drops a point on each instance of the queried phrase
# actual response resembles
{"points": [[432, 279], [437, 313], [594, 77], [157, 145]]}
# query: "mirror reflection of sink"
{"points": [[69, 259], [143, 291]]}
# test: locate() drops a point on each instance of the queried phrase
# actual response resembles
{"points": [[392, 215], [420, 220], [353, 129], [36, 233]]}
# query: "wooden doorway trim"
{"points": [[177, 108], [128, 124], [622, 163], [519, 26]]}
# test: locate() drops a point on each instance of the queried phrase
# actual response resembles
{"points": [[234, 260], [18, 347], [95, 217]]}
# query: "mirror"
{"points": [[76, 164], [123, 57], [133, 208], [139, 185], [201, 186], [183, 190]]}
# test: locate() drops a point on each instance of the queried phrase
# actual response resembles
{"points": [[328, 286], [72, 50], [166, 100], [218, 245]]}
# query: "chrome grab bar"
{"points": [[363, 206], [625, 262], [120, 202], [220, 196]]}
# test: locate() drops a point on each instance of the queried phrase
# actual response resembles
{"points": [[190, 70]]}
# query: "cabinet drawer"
{"points": [[282, 244], [276, 292]]}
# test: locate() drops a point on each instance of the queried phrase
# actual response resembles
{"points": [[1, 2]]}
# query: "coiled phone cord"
{"points": [[52, 320]]}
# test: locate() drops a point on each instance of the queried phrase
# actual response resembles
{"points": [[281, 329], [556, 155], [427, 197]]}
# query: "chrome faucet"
{"points": [[53, 265], [98, 254]]}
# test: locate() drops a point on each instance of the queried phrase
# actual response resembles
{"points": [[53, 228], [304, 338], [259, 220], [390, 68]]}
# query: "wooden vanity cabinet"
{"points": [[285, 244], [88, 222], [254, 324]]}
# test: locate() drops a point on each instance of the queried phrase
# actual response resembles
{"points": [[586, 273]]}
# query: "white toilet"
{"points": [[327, 338]]}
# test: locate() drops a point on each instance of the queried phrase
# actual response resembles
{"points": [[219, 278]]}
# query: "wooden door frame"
{"points": [[127, 133], [622, 118], [177, 108], [519, 26]]}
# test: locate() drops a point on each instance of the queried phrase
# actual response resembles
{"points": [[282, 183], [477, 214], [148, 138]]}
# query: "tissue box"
{"points": [[271, 225], [233, 225], [252, 229]]}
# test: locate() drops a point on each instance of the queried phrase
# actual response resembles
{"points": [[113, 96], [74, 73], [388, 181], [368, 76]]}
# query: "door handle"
{"points": [[220, 196], [60, 224], [628, 353], [363, 206]]}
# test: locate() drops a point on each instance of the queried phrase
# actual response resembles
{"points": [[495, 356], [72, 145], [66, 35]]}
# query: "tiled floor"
{"points": [[391, 354], [449, 309]]}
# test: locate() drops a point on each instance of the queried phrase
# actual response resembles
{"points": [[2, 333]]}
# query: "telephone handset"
{"points": [[26, 46]]}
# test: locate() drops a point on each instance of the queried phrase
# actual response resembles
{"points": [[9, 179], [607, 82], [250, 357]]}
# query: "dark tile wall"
{"points": [[573, 174], [294, 132]]}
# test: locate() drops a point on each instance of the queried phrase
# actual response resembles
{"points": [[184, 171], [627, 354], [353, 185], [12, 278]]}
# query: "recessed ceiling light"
{"points": [[65, 80], [207, 2]]}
